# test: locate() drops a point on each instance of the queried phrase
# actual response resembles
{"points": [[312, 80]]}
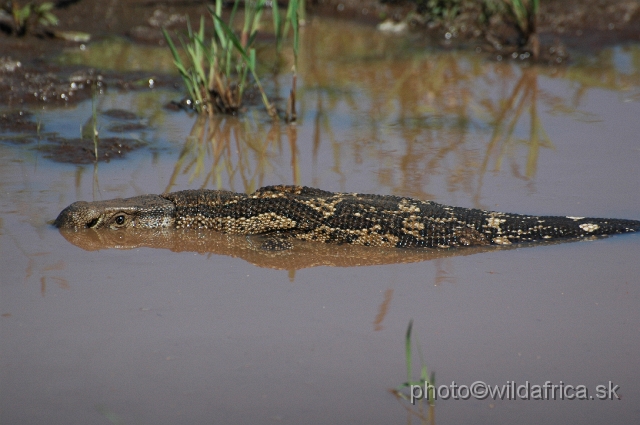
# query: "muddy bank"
{"points": [[493, 30], [37, 81], [580, 22], [28, 76]]}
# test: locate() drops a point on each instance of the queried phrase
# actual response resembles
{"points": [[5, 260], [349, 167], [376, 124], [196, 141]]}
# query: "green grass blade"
{"points": [[184, 72], [189, 29], [407, 349], [251, 39], [233, 11], [248, 12], [277, 24], [232, 38], [520, 13], [216, 17], [252, 58], [292, 13], [172, 47], [257, 16]]}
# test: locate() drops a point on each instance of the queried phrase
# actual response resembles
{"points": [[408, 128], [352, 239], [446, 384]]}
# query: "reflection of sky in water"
{"points": [[623, 59]]}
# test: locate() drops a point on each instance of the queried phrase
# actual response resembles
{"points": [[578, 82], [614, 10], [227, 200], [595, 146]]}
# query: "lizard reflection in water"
{"points": [[301, 255], [284, 213]]}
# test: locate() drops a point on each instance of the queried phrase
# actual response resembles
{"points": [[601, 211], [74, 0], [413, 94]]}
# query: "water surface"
{"points": [[155, 335]]}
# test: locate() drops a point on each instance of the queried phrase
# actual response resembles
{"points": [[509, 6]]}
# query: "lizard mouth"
{"points": [[78, 215]]}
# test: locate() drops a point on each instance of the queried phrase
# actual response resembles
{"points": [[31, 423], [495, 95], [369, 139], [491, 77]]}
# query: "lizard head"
{"points": [[148, 211]]}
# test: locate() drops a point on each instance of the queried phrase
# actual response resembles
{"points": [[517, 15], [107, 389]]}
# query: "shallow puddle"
{"points": [[202, 329]]}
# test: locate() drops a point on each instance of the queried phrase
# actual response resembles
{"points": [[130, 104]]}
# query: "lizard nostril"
{"points": [[92, 223]]}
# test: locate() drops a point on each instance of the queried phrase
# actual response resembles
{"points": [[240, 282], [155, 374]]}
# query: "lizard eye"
{"points": [[119, 220]]}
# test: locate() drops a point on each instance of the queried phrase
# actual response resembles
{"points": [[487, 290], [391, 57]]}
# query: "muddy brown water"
{"points": [[200, 334]]}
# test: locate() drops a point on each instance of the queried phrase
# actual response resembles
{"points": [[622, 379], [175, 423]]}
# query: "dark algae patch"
{"points": [[120, 114], [17, 121], [126, 127], [125, 121], [81, 151]]}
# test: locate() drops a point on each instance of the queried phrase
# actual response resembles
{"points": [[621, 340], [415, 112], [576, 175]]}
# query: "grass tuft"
{"points": [[25, 18], [526, 14], [217, 69]]}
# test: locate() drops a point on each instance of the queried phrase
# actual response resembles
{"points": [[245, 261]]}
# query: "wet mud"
{"points": [[18, 121], [81, 151], [579, 25], [37, 83]]}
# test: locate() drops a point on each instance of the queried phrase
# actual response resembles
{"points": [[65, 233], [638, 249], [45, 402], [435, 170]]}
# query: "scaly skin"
{"points": [[285, 212]]}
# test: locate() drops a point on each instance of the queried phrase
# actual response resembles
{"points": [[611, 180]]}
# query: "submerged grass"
{"points": [[216, 69], [94, 122], [424, 379], [89, 130]]}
